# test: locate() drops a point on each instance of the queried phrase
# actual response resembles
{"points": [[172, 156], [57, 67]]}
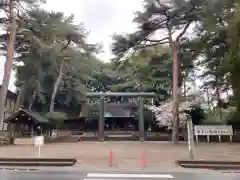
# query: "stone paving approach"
{"points": [[127, 155]]}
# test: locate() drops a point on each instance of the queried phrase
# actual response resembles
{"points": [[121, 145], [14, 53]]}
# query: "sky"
{"points": [[102, 18]]}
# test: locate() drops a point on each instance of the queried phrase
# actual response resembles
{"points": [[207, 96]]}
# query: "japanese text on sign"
{"points": [[213, 130]]}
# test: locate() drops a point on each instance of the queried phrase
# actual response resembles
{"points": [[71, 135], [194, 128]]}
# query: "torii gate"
{"points": [[140, 97]]}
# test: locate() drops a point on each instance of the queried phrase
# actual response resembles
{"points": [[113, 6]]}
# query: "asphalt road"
{"points": [[85, 175]]}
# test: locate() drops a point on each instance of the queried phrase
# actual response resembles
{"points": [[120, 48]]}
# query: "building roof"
{"points": [[36, 117]]}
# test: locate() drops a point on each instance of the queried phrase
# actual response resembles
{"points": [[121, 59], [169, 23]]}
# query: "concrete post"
{"points": [[190, 138], [101, 120], [141, 120]]}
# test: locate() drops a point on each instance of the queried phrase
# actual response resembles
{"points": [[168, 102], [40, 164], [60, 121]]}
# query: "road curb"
{"points": [[37, 161], [208, 164]]}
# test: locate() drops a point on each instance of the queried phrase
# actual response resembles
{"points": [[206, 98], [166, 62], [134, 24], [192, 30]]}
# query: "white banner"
{"points": [[209, 130]]}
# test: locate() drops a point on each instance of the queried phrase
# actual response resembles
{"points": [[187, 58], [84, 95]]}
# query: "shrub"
{"points": [[197, 114], [213, 119], [58, 118]]}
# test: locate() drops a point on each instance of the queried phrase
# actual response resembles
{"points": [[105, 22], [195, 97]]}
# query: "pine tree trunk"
{"points": [[219, 102], [184, 88], [19, 97], [32, 101], [11, 127], [208, 100], [9, 60], [236, 90], [56, 86], [175, 93], [84, 110]]}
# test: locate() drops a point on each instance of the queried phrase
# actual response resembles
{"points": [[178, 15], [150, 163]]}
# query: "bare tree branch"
{"points": [[159, 40], [6, 12], [183, 31], [20, 5], [151, 45]]}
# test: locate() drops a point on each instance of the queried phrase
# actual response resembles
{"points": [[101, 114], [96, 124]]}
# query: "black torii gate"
{"points": [[140, 97]]}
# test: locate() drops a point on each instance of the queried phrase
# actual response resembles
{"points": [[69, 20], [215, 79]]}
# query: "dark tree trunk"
{"points": [[9, 60], [236, 91], [208, 100], [19, 97], [184, 88], [32, 101], [219, 102], [175, 93], [84, 110]]}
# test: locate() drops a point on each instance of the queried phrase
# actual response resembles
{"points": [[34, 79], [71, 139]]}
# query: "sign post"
{"points": [[190, 138], [39, 141]]}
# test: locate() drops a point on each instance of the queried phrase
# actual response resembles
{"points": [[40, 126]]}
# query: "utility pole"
{"points": [[9, 58]]}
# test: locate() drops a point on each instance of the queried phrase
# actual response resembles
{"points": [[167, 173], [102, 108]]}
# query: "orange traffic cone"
{"points": [[111, 158], [144, 160]]}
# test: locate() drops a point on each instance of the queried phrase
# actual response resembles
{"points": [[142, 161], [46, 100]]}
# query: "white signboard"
{"points": [[210, 130], [39, 141], [213, 130], [54, 134]]}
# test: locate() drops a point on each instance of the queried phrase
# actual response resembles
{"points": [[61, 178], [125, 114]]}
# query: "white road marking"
{"points": [[100, 175], [104, 179]]}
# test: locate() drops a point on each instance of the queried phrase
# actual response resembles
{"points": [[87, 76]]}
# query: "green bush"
{"points": [[58, 118], [93, 110], [197, 114], [230, 115], [212, 122], [220, 117], [213, 119], [56, 115]]}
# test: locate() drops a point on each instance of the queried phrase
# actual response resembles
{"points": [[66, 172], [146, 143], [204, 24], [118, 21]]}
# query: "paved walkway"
{"points": [[126, 154]]}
